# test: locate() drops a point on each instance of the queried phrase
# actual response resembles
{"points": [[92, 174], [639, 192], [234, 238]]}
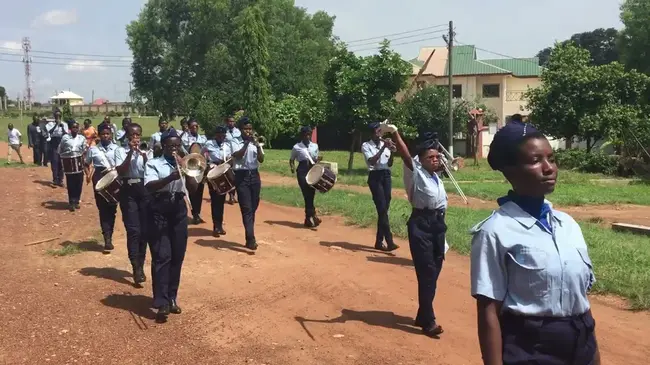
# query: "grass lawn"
{"points": [[621, 260], [574, 188], [15, 162]]}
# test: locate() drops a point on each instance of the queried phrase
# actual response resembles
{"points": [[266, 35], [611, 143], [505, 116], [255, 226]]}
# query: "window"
{"points": [[457, 91], [491, 90]]}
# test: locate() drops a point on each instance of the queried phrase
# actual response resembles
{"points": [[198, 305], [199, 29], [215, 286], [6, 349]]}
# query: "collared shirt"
{"points": [[72, 146], [59, 131], [187, 140], [121, 139], [531, 269], [155, 138], [249, 160], [101, 156], [14, 136], [136, 167], [301, 152], [159, 168], [216, 153], [424, 191], [370, 149], [235, 133]]}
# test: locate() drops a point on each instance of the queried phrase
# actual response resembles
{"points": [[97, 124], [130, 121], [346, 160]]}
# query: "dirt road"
{"points": [[305, 297]]}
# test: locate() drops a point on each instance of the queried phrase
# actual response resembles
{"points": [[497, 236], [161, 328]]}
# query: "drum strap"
{"points": [[309, 156]]}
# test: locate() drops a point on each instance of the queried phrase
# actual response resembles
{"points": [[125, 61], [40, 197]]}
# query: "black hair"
{"points": [[162, 120], [72, 122], [425, 146], [516, 117], [244, 121], [88, 120], [133, 126], [192, 121], [183, 121]]}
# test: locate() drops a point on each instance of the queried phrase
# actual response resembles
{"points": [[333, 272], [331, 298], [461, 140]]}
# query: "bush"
{"points": [[91, 114], [581, 160]]}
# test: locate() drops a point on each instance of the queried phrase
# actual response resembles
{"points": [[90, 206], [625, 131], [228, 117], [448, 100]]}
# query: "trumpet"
{"points": [[454, 166], [143, 146], [259, 139], [391, 144]]}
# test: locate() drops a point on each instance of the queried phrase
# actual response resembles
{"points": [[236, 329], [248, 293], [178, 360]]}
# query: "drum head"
{"points": [[195, 148], [106, 180], [314, 174], [218, 170]]}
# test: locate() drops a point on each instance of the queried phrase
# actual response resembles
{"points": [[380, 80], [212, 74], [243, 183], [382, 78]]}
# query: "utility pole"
{"points": [[27, 60], [450, 47]]}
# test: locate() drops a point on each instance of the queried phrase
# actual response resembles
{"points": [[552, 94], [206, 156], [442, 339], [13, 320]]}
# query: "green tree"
{"points": [[602, 45], [635, 37], [66, 112], [362, 89], [254, 60], [591, 103]]}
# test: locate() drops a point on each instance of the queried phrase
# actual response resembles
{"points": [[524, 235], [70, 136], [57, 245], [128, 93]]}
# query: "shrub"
{"points": [[581, 160]]}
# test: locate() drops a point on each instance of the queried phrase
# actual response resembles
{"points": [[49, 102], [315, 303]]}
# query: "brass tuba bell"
{"points": [[193, 165]]}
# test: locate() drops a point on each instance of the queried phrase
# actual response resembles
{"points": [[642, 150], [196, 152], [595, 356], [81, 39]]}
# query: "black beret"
{"points": [[170, 133], [373, 125], [305, 129], [220, 129], [506, 141], [103, 126]]}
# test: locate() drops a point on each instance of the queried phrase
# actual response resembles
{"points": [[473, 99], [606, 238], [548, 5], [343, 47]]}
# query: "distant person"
{"points": [[56, 129], [45, 141], [34, 141], [306, 153], [15, 139], [122, 138], [530, 266], [90, 133], [163, 125], [73, 144], [232, 133]]}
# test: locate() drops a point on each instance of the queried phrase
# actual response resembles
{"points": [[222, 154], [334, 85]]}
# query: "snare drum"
{"points": [[222, 179], [321, 178], [109, 187], [72, 164]]}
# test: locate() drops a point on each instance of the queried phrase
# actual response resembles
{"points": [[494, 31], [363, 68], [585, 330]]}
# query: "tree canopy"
{"points": [[635, 37], [600, 43]]}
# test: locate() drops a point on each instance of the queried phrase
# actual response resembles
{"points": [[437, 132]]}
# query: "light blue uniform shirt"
{"points": [[249, 160], [301, 152], [235, 133], [424, 191], [158, 168], [101, 156], [136, 167], [72, 146], [370, 149], [121, 139], [59, 131], [531, 270], [187, 140], [155, 138], [215, 152]]}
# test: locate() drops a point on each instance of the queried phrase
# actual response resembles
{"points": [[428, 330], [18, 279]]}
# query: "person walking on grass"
{"points": [[15, 139]]}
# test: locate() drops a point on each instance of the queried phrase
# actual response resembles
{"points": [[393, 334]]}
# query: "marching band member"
{"points": [[306, 152], [379, 160], [56, 130], [134, 199], [121, 135], [232, 133], [188, 139], [184, 128], [73, 143], [530, 267], [162, 128], [426, 226], [247, 156], [218, 152], [169, 225], [102, 158]]}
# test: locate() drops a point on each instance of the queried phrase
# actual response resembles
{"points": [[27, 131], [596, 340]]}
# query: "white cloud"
{"points": [[55, 18], [83, 65], [11, 47]]}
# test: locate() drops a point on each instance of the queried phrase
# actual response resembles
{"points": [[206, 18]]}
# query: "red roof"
{"points": [[100, 101]]}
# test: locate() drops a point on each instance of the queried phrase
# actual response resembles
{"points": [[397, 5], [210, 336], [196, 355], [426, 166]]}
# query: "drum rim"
{"points": [[106, 177], [216, 171], [312, 171]]}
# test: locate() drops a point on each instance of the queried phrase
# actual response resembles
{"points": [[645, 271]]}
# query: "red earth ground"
{"points": [[305, 297]]}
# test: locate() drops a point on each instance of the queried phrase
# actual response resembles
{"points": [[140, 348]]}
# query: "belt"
{"points": [[246, 171], [427, 211], [132, 181]]}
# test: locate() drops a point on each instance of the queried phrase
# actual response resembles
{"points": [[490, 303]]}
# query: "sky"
{"points": [[80, 45]]}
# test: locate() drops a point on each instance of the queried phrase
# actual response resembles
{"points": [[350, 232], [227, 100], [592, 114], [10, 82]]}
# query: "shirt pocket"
{"points": [[588, 268], [528, 273]]}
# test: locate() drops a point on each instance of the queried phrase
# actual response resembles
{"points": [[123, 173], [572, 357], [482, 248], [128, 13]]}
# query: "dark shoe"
{"points": [[432, 331], [71, 207], [77, 206], [174, 308], [317, 221], [308, 223], [108, 244], [392, 247], [220, 231], [195, 220], [231, 201], [163, 312], [252, 245], [138, 273], [379, 246], [215, 233]]}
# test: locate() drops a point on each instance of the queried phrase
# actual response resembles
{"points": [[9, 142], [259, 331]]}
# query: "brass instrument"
{"points": [[144, 146], [179, 161], [394, 147], [193, 165], [259, 139]]}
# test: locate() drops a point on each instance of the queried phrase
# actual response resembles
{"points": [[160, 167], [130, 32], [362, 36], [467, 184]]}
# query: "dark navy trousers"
{"points": [[248, 185], [426, 232], [196, 198], [55, 161], [107, 211], [308, 193], [134, 203], [168, 245], [74, 184], [548, 341], [216, 206], [380, 183]]}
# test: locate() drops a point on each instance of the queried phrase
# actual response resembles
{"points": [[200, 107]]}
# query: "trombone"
{"points": [[445, 165], [179, 161]]}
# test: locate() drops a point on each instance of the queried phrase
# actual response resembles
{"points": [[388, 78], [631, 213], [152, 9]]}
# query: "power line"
{"points": [[396, 44], [405, 37], [395, 34], [499, 54], [63, 59], [72, 63], [69, 54]]}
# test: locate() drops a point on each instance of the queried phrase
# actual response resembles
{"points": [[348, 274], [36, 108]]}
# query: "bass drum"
{"points": [[222, 179], [108, 187], [321, 178]]}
